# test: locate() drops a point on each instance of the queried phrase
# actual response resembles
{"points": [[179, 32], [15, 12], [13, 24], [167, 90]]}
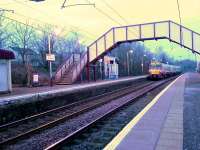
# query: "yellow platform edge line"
{"points": [[120, 136]]}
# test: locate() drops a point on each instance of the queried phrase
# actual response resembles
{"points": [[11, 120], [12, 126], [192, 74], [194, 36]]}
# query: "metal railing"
{"points": [[72, 67], [79, 67], [64, 68], [140, 32], [148, 31]]}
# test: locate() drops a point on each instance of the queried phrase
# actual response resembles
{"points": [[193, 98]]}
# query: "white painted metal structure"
{"points": [[110, 67]]}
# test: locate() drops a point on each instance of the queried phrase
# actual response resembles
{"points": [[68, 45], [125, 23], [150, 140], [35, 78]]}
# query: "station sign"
{"points": [[50, 57]]}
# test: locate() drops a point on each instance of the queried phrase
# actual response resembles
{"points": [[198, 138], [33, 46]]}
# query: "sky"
{"points": [[92, 21]]}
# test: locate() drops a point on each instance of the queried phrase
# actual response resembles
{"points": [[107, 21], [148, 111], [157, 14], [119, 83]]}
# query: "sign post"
{"points": [[50, 57]]}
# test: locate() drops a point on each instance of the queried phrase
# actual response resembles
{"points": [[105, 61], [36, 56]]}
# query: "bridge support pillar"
{"points": [[88, 72], [102, 69], [88, 65], [94, 71]]}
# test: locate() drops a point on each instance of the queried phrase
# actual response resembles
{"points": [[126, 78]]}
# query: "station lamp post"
{"points": [[197, 63], [127, 58], [142, 64], [50, 61]]}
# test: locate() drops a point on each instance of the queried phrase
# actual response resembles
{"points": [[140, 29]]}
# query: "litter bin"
{"points": [[35, 79]]}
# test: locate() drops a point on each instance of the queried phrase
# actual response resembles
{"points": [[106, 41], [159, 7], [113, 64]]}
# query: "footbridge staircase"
{"points": [[174, 32]]}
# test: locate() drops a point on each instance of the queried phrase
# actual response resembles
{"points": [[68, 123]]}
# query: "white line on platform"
{"points": [[120, 136]]}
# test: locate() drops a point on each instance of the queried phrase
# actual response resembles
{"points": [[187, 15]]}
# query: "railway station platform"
{"points": [[22, 94], [164, 124]]}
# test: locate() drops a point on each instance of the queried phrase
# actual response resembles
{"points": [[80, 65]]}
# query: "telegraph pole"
{"points": [[50, 64]]}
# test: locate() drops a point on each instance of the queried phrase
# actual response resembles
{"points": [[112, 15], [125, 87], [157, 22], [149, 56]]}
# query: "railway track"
{"points": [[130, 98], [18, 130], [100, 134]]}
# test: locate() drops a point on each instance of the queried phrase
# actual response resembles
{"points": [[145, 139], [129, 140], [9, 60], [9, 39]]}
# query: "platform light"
{"points": [[127, 59], [131, 51], [142, 64]]}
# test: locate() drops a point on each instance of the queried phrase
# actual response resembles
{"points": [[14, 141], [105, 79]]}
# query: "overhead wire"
{"points": [[76, 4], [110, 17], [179, 12], [180, 21], [80, 4], [118, 14], [98, 9], [20, 22], [63, 5], [46, 23], [46, 14], [105, 14], [115, 11]]}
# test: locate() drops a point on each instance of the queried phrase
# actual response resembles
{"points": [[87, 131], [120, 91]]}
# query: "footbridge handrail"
{"points": [[64, 67], [170, 30]]}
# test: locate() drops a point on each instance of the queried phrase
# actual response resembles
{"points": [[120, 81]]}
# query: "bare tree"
{"points": [[41, 44], [4, 34], [22, 37]]}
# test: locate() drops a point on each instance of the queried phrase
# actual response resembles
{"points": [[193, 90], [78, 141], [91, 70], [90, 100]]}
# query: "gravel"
{"points": [[45, 139]]}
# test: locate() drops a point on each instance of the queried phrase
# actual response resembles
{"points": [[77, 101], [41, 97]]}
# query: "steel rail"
{"points": [[18, 122], [97, 103], [136, 95]]}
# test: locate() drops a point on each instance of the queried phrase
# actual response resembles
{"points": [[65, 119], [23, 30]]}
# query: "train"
{"points": [[158, 70]]}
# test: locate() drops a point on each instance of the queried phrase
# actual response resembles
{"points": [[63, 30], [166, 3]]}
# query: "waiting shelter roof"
{"points": [[6, 54]]}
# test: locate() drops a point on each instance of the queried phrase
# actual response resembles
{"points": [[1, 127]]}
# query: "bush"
{"points": [[19, 74]]}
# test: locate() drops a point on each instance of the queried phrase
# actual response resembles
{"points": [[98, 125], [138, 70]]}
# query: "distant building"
{"points": [[5, 70]]}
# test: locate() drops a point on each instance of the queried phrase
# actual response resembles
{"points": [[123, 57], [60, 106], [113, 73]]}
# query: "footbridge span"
{"points": [[170, 30]]}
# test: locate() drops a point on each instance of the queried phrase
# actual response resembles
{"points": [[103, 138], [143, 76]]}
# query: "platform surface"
{"points": [[24, 92], [159, 126]]}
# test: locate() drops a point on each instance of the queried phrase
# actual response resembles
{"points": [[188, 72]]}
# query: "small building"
{"points": [[5, 70], [110, 67]]}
